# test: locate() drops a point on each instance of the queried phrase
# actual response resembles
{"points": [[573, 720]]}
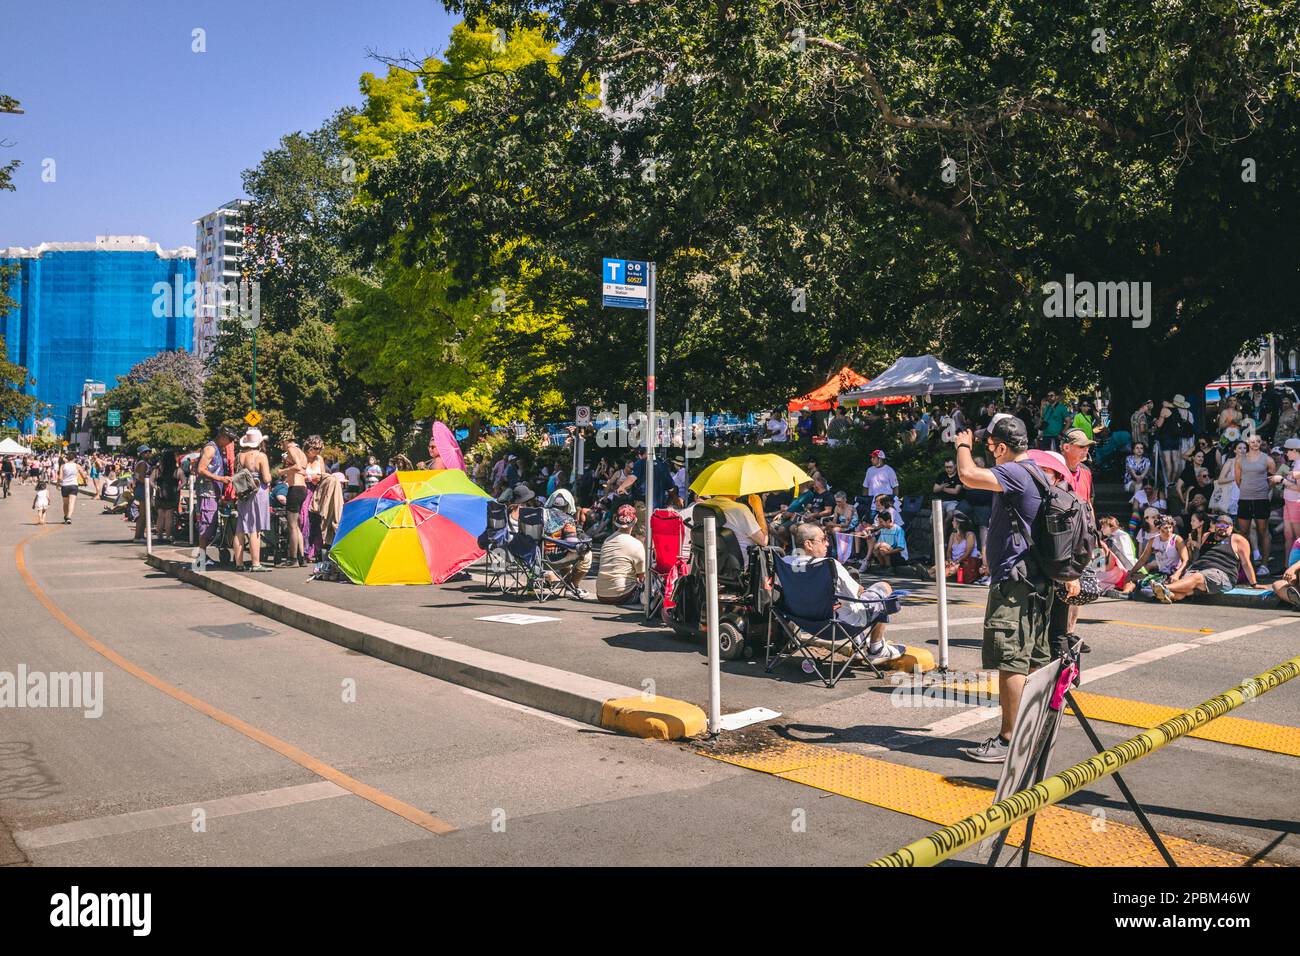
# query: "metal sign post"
{"points": [[630, 284], [941, 581], [651, 427], [711, 604]]}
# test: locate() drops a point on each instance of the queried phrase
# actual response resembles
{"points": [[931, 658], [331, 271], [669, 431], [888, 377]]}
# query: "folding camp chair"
{"points": [[805, 616], [668, 534], [498, 569], [527, 549]]}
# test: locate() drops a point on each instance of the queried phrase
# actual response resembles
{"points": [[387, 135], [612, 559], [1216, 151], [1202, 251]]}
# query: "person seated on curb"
{"points": [[1164, 553], [790, 511], [889, 549], [1287, 587], [822, 502], [810, 544], [560, 522], [1121, 556], [622, 562], [1224, 555]]}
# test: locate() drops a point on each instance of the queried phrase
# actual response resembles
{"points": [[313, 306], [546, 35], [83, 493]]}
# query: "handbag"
{"points": [[1218, 500]]}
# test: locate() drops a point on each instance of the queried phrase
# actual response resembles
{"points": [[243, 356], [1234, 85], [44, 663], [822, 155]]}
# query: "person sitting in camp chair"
{"points": [[810, 544], [568, 552]]}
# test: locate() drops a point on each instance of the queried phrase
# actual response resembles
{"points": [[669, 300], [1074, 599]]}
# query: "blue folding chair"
{"points": [[805, 615], [498, 569]]}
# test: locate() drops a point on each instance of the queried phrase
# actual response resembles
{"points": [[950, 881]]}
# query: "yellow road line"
{"points": [[300, 757], [1237, 731], [1061, 833], [1153, 627]]}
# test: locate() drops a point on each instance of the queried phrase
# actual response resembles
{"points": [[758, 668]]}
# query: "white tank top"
{"points": [[68, 474], [1166, 553]]}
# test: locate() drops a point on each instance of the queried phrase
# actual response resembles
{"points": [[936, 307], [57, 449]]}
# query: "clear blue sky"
{"points": [[146, 134]]}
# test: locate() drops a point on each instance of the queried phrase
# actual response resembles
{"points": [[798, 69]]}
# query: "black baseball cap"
{"points": [[1010, 431]]}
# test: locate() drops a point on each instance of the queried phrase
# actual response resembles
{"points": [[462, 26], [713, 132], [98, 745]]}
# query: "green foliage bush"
{"points": [[846, 465]]}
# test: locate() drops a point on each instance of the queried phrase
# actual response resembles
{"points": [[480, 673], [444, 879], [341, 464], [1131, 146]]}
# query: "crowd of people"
{"points": [[1210, 503]]}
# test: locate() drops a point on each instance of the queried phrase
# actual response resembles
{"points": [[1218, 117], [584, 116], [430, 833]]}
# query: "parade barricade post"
{"points": [[941, 583], [190, 509], [148, 517], [711, 605], [949, 840]]}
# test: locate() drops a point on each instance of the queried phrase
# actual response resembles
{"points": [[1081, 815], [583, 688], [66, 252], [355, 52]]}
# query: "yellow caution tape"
{"points": [[946, 841]]}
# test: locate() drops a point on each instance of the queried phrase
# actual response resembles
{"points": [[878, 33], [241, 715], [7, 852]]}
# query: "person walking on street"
{"points": [[71, 477], [41, 503], [1020, 597]]}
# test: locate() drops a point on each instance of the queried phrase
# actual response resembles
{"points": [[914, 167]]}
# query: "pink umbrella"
{"points": [[1050, 460], [448, 447]]}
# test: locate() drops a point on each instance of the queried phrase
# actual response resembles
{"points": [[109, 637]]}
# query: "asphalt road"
{"points": [[298, 751]]}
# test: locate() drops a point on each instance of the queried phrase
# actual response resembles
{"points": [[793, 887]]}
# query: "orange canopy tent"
{"points": [[825, 397]]}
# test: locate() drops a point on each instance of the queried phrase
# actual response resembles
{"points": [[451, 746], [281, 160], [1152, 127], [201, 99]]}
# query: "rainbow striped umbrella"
{"points": [[414, 527]]}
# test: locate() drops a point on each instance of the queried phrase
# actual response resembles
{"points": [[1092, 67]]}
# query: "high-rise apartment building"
{"points": [[219, 239]]}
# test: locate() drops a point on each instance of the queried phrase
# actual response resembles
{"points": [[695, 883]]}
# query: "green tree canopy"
{"points": [[912, 176]]}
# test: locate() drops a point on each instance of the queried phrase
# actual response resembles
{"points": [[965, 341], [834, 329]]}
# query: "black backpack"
{"points": [[1064, 537]]}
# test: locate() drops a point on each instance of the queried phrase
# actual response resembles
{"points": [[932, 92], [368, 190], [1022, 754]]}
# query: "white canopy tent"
{"points": [[10, 447], [922, 375]]}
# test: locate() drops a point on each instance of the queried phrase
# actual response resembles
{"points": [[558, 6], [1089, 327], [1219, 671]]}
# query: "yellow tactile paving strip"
{"points": [[1237, 731], [1275, 738], [1060, 833]]}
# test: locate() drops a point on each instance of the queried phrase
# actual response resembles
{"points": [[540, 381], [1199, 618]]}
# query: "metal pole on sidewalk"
{"points": [[148, 517], [941, 581], [650, 432], [191, 509], [687, 434], [711, 604]]}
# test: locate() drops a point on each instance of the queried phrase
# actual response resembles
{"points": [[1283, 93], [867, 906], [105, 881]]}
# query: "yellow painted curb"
{"points": [[657, 718], [914, 659]]}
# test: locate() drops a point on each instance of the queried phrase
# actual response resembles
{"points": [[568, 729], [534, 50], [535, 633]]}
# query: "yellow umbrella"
{"points": [[748, 475]]}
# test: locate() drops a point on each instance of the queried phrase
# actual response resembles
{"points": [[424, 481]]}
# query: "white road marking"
{"points": [[178, 815], [525, 709], [934, 625]]}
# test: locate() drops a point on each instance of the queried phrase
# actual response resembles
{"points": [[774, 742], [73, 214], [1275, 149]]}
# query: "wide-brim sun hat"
{"points": [[1181, 402], [251, 438], [562, 500]]}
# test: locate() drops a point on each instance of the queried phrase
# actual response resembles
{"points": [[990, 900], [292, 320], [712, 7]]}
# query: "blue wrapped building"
{"points": [[90, 311]]}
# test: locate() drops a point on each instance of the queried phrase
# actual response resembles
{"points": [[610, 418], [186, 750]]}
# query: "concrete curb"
{"points": [[590, 700]]}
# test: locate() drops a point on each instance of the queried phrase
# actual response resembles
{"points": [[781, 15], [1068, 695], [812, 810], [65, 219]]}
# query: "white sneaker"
{"points": [[1262, 571], [983, 581], [886, 652]]}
